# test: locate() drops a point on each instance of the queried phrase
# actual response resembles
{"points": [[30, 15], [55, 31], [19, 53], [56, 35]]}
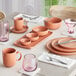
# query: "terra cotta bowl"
{"points": [[25, 41], [32, 36], [53, 23], [41, 30]]}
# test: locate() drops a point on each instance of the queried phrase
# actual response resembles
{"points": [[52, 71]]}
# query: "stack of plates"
{"points": [[58, 46]]}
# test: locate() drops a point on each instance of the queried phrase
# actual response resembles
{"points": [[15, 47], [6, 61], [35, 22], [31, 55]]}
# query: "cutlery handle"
{"points": [[52, 59]]}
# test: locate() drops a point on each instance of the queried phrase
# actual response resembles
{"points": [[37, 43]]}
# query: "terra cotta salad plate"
{"points": [[68, 45]]}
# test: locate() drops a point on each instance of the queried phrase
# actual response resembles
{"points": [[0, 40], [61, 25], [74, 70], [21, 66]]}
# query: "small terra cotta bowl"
{"points": [[25, 41], [32, 36], [41, 30], [52, 23]]}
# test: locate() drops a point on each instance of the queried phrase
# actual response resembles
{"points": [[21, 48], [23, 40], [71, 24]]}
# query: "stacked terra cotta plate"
{"points": [[62, 46]]}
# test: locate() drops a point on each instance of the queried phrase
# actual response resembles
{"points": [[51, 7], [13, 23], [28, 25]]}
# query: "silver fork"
{"points": [[55, 60]]}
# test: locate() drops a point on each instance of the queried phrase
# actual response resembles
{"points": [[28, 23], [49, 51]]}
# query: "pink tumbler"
{"points": [[4, 31], [29, 63]]}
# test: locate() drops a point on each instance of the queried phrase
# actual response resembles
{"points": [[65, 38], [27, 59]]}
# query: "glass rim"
{"points": [[30, 54]]}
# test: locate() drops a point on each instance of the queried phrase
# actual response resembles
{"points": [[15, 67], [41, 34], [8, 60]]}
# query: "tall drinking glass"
{"points": [[4, 31], [29, 63]]}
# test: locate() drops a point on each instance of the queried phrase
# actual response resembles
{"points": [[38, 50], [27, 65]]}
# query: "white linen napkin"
{"points": [[29, 73], [27, 17], [56, 58]]}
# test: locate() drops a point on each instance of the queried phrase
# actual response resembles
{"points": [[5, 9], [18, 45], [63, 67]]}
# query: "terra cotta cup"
{"points": [[19, 24], [9, 57], [53, 23]]}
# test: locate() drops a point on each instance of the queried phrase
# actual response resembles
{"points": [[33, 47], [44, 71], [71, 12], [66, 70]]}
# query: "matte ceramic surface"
{"points": [[25, 41], [53, 23], [9, 57], [41, 30], [32, 36], [17, 43], [18, 32], [18, 24], [52, 50], [70, 45], [59, 48]]}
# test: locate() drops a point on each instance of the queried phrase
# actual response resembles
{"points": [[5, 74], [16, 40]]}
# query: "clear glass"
{"points": [[29, 63], [4, 31]]}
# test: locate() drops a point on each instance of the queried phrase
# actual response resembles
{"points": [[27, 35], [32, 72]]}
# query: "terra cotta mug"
{"points": [[19, 24], [9, 57]]}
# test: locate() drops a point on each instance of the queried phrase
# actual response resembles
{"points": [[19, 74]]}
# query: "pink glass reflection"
{"points": [[29, 63], [4, 31]]}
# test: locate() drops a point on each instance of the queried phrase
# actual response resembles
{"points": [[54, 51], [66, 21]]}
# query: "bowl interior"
{"points": [[24, 40], [40, 29], [54, 20], [32, 35]]}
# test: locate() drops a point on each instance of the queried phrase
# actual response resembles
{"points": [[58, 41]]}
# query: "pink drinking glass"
{"points": [[29, 63], [70, 24], [4, 31]]}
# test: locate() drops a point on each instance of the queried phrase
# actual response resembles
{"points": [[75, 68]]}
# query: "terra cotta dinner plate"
{"points": [[51, 49], [56, 46], [70, 45]]}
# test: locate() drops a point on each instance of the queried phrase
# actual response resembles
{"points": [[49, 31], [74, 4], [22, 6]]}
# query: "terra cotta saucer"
{"points": [[18, 32]]}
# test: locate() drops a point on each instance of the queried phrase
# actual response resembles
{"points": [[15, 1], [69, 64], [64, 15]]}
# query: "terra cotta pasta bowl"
{"points": [[41, 30]]}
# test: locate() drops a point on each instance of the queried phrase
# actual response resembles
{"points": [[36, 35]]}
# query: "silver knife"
{"points": [[66, 41]]}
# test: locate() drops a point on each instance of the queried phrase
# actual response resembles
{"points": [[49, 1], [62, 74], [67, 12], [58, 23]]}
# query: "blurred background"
{"points": [[32, 7]]}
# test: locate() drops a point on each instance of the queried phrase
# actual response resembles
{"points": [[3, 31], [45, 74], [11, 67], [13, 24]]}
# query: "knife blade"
{"points": [[66, 41]]}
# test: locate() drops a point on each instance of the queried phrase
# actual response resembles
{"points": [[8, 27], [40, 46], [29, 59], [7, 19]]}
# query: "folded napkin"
{"points": [[31, 18], [57, 60], [29, 73]]}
